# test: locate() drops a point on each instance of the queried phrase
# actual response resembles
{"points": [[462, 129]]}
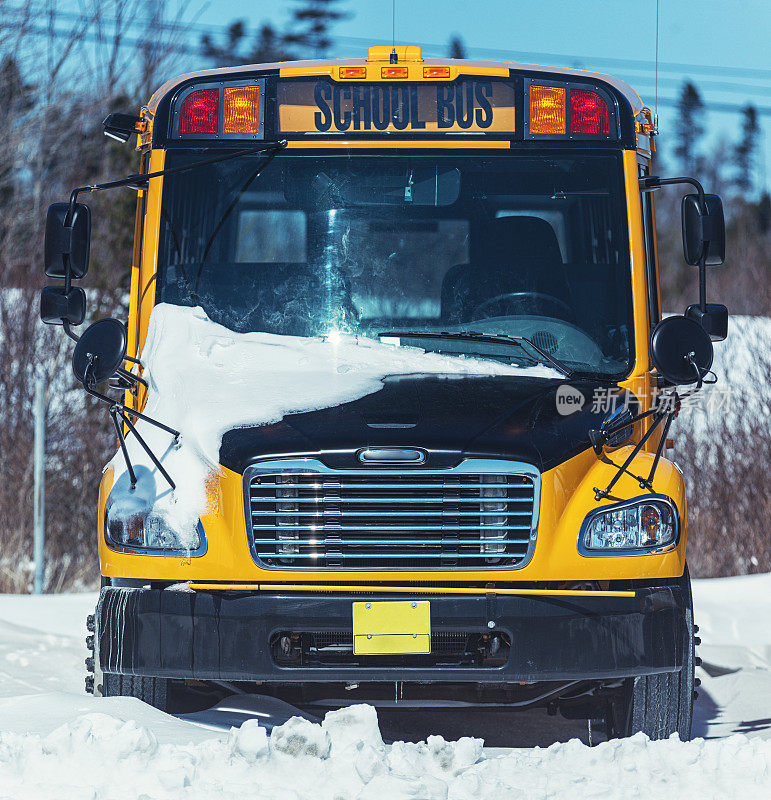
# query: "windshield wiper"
{"points": [[475, 336]]}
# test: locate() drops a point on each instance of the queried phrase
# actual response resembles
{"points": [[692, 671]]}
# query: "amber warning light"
{"points": [[241, 114]]}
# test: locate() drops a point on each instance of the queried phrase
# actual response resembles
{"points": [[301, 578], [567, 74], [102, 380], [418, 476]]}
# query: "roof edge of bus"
{"points": [[621, 86]]}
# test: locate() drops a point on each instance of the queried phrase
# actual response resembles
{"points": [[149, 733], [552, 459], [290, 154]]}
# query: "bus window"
{"points": [[510, 244]]}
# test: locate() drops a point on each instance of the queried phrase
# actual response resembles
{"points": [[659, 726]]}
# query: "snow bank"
{"points": [[740, 396], [205, 380], [57, 742], [97, 756]]}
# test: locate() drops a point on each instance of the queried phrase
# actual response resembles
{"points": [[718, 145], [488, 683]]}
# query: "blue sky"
{"points": [[729, 39]]}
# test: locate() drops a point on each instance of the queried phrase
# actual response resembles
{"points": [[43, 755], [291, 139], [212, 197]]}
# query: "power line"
{"points": [[494, 53], [187, 49]]}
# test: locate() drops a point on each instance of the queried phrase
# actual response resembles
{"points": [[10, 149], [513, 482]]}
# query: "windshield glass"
{"points": [[518, 245]]}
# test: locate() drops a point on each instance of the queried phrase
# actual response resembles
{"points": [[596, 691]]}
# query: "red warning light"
{"points": [[199, 112], [588, 113]]}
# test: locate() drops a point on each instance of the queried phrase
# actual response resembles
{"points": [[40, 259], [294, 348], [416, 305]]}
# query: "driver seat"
{"points": [[514, 254]]}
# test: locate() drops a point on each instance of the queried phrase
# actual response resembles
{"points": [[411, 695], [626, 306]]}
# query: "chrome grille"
{"points": [[304, 515]]}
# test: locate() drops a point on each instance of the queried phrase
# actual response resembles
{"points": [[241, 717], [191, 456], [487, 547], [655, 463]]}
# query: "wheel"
{"points": [[153, 691], [659, 705]]}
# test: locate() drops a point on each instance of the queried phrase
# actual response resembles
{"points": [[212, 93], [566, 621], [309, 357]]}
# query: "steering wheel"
{"points": [[566, 312]]}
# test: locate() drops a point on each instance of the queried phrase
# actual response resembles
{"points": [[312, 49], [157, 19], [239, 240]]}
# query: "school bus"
{"points": [[503, 537]]}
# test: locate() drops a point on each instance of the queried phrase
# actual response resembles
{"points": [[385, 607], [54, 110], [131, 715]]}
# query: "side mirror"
{"points": [[713, 318], [681, 350], [100, 351], [122, 126], [58, 306], [67, 246], [703, 233]]}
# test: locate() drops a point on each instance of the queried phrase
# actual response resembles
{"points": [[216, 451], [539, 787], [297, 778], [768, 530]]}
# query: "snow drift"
{"points": [[57, 742], [204, 380], [98, 756]]}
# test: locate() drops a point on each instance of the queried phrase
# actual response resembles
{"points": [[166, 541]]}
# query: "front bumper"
{"points": [[226, 635]]}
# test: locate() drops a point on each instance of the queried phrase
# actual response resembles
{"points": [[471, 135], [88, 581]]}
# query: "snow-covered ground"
{"points": [[57, 742]]}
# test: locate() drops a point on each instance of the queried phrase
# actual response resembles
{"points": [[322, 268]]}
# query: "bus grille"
{"points": [[391, 520]]}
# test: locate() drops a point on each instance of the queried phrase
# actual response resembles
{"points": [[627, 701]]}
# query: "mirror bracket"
{"points": [[706, 211], [659, 416]]}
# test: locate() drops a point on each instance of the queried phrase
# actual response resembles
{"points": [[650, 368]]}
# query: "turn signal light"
{"points": [[547, 109], [436, 72], [588, 113], [241, 110], [393, 72], [353, 73], [199, 112]]}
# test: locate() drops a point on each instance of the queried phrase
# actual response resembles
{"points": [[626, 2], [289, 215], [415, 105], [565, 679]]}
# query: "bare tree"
{"points": [[60, 74]]}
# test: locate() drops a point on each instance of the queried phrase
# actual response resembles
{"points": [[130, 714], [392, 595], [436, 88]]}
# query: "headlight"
{"points": [[144, 530], [637, 526]]}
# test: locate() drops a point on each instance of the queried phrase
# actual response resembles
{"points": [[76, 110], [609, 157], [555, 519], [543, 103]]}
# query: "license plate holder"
{"points": [[392, 627]]}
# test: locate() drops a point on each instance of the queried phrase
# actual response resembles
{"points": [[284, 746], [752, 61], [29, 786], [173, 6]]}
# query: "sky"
{"points": [[723, 45]]}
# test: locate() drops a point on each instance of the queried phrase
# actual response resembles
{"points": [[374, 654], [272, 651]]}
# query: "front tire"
{"points": [[660, 705], [153, 691]]}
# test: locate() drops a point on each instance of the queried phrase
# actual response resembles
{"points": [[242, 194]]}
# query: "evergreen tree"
{"points": [[267, 46], [270, 46], [689, 128], [764, 213], [746, 150], [456, 48], [312, 21], [15, 92], [227, 54]]}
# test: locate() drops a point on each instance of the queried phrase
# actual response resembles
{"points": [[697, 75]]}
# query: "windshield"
{"points": [[531, 246]]}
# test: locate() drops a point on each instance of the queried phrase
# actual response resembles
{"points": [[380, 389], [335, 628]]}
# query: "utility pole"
{"points": [[39, 494]]}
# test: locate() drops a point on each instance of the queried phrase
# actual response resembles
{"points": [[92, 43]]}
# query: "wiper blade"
{"points": [[476, 336]]}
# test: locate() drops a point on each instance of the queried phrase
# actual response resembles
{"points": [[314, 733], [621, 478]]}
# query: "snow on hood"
{"points": [[204, 380]]}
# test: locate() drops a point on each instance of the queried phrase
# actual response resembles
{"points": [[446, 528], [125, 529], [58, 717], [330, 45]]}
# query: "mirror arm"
{"points": [[650, 183], [703, 282], [130, 376], [68, 330], [117, 410], [124, 449], [660, 448], [88, 385], [140, 181], [600, 494]]}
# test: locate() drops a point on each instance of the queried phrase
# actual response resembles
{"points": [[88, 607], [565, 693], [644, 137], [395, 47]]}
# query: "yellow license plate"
{"points": [[392, 627]]}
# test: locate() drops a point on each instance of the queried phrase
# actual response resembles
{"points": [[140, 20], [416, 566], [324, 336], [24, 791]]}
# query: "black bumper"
{"points": [[225, 636]]}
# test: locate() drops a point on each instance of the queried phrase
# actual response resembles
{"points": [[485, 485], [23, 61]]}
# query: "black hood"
{"points": [[450, 418]]}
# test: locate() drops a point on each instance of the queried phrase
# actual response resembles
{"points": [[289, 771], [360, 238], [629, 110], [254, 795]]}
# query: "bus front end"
{"points": [[487, 516]]}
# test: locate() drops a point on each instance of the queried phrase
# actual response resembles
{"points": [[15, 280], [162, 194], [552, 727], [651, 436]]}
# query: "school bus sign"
{"points": [[468, 106]]}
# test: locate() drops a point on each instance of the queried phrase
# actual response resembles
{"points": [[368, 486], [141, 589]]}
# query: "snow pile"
{"points": [[204, 380], [57, 742], [740, 396], [99, 757]]}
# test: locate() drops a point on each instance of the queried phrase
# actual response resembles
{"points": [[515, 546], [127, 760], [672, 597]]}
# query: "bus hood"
{"points": [[539, 421]]}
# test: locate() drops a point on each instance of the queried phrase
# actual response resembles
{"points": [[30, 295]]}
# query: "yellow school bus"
{"points": [[506, 525]]}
